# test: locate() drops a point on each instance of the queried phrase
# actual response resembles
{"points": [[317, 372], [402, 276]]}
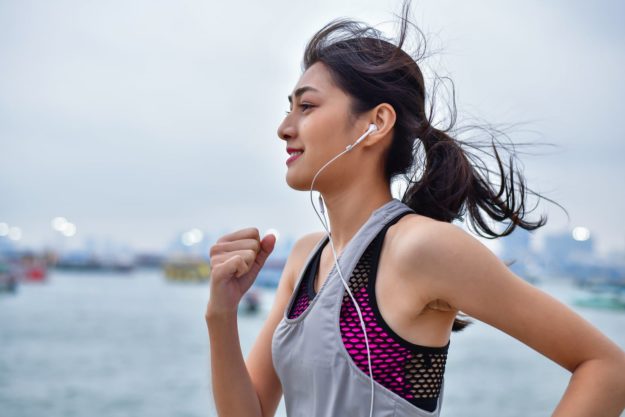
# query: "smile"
{"points": [[293, 157]]}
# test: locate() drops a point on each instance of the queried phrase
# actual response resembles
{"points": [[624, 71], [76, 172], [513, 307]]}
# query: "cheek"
{"points": [[324, 127]]}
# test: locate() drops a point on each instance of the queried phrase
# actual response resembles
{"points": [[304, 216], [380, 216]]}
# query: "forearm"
{"points": [[233, 391], [596, 389]]}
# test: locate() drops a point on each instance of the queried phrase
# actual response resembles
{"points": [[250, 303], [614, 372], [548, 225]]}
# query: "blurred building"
{"points": [[567, 254], [516, 251]]}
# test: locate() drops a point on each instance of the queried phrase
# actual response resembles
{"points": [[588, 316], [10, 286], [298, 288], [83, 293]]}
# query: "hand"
{"points": [[236, 260]]}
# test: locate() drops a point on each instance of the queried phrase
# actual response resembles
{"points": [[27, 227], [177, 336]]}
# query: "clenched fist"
{"points": [[236, 259]]}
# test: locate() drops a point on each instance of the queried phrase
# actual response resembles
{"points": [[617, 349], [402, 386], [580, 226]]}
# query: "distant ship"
{"points": [[186, 269], [26, 267], [94, 264], [606, 293], [8, 278], [33, 268]]}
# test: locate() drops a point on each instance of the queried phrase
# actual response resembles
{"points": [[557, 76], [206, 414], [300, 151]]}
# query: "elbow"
{"points": [[608, 369], [615, 367]]}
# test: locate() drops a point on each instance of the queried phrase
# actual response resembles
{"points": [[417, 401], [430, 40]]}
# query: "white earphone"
{"points": [[372, 128]]}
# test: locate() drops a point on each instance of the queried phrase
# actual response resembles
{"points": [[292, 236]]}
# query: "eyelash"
{"points": [[308, 106]]}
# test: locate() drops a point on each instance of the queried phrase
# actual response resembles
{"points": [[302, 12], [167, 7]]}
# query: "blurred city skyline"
{"points": [[139, 121]]}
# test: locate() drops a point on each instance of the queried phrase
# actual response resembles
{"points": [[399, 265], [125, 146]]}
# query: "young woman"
{"points": [[363, 313]]}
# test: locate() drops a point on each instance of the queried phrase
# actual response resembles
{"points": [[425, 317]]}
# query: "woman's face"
{"points": [[320, 124]]}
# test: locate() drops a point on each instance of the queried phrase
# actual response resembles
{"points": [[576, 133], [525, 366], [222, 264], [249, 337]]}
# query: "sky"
{"points": [[138, 120]]}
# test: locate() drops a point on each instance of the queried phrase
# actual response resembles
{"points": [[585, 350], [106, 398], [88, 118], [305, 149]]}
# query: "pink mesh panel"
{"points": [[412, 373], [301, 302], [303, 299]]}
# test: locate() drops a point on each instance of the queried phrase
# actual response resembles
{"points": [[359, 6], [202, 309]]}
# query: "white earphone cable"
{"points": [[324, 223]]}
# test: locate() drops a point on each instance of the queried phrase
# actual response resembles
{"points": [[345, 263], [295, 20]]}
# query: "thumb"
{"points": [[267, 245]]}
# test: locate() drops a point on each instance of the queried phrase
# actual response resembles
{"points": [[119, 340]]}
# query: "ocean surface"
{"points": [[117, 345]]}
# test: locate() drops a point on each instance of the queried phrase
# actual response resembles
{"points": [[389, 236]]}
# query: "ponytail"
{"points": [[446, 180], [453, 184]]}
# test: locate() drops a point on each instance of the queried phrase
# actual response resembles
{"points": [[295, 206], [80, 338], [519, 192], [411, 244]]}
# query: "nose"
{"points": [[286, 130]]}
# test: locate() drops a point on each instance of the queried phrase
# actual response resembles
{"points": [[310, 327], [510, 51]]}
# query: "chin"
{"points": [[298, 183]]}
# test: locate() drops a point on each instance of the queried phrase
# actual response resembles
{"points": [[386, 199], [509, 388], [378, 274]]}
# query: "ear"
{"points": [[383, 116]]}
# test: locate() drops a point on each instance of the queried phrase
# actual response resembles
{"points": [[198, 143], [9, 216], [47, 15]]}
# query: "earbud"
{"points": [[372, 128]]}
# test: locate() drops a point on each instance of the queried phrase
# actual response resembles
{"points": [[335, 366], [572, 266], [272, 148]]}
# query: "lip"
{"points": [[293, 158], [289, 150]]}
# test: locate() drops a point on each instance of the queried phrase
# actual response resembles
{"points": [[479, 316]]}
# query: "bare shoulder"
{"points": [[421, 240], [417, 230], [305, 244], [430, 251], [415, 238]]}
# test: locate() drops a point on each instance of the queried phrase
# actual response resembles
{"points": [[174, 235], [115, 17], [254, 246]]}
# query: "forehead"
{"points": [[317, 76]]}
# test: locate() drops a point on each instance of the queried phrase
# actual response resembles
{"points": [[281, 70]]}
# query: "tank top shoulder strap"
{"points": [[376, 243], [313, 268], [376, 251], [304, 291]]}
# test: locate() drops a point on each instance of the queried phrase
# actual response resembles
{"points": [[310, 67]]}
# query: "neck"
{"points": [[348, 210]]}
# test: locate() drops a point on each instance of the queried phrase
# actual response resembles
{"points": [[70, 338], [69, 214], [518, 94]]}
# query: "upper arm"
{"points": [[467, 275], [259, 361]]}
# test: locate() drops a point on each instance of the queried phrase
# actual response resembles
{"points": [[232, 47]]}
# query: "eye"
{"points": [[303, 106]]}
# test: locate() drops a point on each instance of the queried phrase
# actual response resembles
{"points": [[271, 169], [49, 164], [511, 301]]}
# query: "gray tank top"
{"points": [[319, 378]]}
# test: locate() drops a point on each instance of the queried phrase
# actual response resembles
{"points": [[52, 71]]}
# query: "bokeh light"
{"points": [[580, 233]]}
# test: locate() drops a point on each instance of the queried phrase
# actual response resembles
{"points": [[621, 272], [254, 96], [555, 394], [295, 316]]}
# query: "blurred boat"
{"points": [[8, 277], [187, 269], [605, 295], [149, 260], [89, 262], [250, 303], [22, 267], [33, 268]]}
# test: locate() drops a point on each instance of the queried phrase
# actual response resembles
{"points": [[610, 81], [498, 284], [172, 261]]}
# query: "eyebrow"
{"points": [[301, 91]]}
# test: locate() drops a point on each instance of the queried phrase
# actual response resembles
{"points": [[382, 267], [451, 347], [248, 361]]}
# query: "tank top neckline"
{"points": [[303, 282]]}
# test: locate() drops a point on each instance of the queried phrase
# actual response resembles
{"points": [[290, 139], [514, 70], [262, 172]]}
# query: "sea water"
{"points": [[116, 345]]}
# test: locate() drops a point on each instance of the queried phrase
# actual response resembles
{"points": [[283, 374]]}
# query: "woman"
{"points": [[397, 269]]}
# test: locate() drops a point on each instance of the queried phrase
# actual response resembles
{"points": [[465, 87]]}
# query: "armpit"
{"points": [[439, 305]]}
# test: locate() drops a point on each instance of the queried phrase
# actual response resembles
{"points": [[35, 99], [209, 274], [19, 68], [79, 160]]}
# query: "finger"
{"points": [[225, 247], [242, 266], [228, 268], [247, 255], [247, 233], [235, 266]]}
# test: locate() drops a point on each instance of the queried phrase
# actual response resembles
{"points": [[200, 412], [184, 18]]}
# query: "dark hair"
{"points": [[374, 70]]}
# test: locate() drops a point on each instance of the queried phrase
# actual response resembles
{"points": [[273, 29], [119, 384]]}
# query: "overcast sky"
{"points": [[137, 120]]}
